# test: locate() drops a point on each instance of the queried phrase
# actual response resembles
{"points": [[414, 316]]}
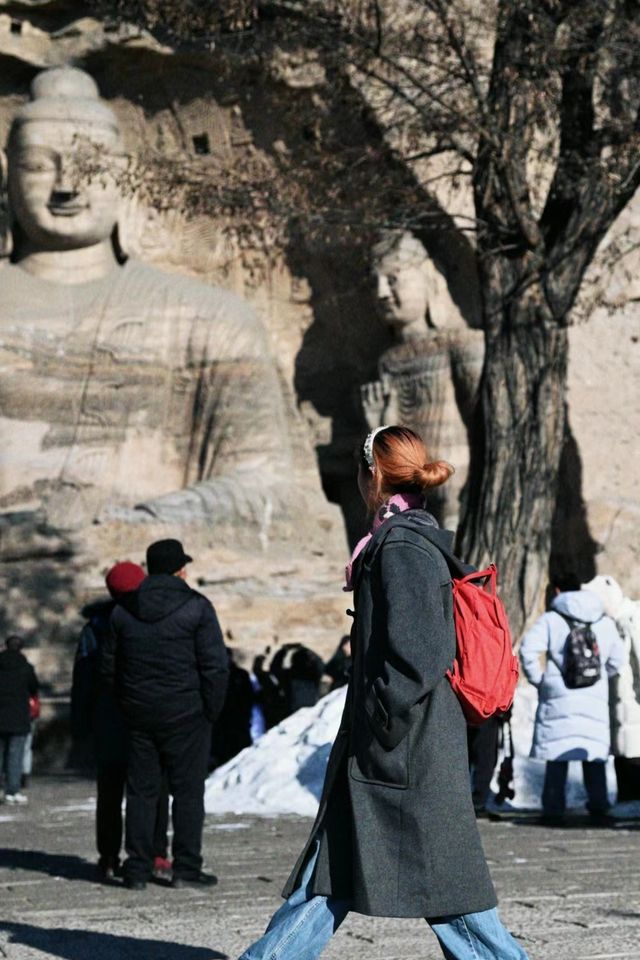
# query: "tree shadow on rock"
{"points": [[573, 549], [80, 944]]}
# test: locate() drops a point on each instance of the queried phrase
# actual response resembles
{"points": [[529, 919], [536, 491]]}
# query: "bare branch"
{"points": [[461, 49]]}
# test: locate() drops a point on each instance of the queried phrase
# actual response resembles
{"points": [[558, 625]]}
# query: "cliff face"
{"points": [[228, 119]]}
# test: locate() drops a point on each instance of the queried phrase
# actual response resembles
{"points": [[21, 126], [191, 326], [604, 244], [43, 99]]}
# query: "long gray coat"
{"points": [[397, 831]]}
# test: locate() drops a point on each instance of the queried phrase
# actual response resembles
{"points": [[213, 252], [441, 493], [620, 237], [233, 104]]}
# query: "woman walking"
{"points": [[396, 834]]}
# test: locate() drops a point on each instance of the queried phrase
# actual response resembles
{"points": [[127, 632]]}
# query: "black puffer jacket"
{"points": [[18, 682], [165, 656]]}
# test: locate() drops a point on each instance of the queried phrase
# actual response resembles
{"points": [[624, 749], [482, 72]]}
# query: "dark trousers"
{"points": [[482, 742], [110, 787], [555, 781], [628, 777], [182, 751], [11, 755]]}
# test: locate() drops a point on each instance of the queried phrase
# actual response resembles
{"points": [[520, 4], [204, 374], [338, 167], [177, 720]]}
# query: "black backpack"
{"points": [[581, 665]]}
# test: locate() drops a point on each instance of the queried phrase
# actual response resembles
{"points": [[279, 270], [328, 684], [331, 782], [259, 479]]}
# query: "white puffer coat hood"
{"points": [[581, 605]]}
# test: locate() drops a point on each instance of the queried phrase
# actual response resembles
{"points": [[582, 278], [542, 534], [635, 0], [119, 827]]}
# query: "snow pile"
{"points": [[284, 770]]}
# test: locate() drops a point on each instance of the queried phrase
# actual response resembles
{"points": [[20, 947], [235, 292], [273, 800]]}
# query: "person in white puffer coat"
{"points": [[571, 724], [625, 688]]}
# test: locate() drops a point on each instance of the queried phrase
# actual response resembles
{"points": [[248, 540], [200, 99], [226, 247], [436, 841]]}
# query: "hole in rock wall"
{"points": [[16, 26], [201, 144]]}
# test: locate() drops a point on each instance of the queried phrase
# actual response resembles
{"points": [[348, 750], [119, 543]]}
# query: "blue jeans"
{"points": [[11, 753], [304, 924]]}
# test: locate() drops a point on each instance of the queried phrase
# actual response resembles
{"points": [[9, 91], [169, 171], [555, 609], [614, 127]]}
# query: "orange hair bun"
{"points": [[401, 464]]}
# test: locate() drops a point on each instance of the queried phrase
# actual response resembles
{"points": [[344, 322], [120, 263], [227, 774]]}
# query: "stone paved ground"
{"points": [[569, 894]]}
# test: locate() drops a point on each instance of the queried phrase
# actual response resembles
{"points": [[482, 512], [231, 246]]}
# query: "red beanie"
{"points": [[124, 578]]}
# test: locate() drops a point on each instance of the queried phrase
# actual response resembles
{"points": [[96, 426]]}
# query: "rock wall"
{"points": [[313, 293]]}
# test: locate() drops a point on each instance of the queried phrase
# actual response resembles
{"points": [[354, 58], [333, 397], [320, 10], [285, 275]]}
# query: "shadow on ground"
{"points": [[53, 864], [80, 944]]}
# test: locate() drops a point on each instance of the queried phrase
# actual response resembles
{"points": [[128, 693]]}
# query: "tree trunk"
{"points": [[517, 444]]}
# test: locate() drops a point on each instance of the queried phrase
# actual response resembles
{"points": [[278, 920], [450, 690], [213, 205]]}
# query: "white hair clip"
{"points": [[367, 449]]}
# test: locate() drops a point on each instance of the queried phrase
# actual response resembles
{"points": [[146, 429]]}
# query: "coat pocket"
{"points": [[372, 763]]}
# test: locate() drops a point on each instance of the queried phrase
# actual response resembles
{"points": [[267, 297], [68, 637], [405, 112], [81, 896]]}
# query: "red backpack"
{"points": [[485, 671]]}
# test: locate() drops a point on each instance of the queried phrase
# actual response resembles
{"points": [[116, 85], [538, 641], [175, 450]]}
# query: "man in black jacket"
{"points": [[18, 682], [167, 661]]}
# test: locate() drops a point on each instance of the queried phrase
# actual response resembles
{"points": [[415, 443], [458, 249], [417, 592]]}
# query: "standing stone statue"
{"points": [[128, 394], [428, 379]]}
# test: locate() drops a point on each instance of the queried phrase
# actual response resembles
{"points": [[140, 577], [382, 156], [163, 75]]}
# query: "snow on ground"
{"points": [[282, 773]]}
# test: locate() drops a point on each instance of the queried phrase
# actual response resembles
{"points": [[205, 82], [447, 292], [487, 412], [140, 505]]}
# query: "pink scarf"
{"points": [[398, 503]]}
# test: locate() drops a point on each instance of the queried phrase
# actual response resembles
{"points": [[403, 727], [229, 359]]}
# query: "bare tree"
{"points": [[535, 105]]}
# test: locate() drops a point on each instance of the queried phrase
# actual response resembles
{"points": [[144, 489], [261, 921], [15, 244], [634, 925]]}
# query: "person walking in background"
{"points": [[18, 682], [166, 658], [396, 834], [96, 719], [572, 722]]}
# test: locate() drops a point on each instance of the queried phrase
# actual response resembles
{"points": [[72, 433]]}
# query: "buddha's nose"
{"points": [[64, 187]]}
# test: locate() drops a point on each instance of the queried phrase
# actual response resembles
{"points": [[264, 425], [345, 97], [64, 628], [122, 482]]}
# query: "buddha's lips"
{"points": [[67, 209]]}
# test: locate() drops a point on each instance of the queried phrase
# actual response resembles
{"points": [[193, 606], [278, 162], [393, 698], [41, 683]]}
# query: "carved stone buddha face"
{"points": [[58, 205], [402, 284], [63, 155]]}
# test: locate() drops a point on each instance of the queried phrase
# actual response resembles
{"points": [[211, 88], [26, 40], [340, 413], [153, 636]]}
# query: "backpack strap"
{"points": [[549, 654]]}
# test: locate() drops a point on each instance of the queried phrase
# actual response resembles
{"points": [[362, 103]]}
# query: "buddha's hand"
{"points": [[234, 498], [373, 403], [190, 505], [379, 403]]}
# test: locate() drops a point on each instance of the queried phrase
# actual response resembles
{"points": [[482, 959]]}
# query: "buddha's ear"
{"points": [[118, 247], [5, 213]]}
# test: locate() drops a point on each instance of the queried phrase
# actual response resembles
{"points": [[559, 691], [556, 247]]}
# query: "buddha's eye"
{"points": [[37, 166]]}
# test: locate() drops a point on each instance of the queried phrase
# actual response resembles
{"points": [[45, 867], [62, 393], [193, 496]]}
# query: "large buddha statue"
{"points": [[428, 378], [128, 394]]}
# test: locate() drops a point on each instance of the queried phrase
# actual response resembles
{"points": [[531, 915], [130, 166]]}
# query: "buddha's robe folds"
{"points": [[143, 389]]}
